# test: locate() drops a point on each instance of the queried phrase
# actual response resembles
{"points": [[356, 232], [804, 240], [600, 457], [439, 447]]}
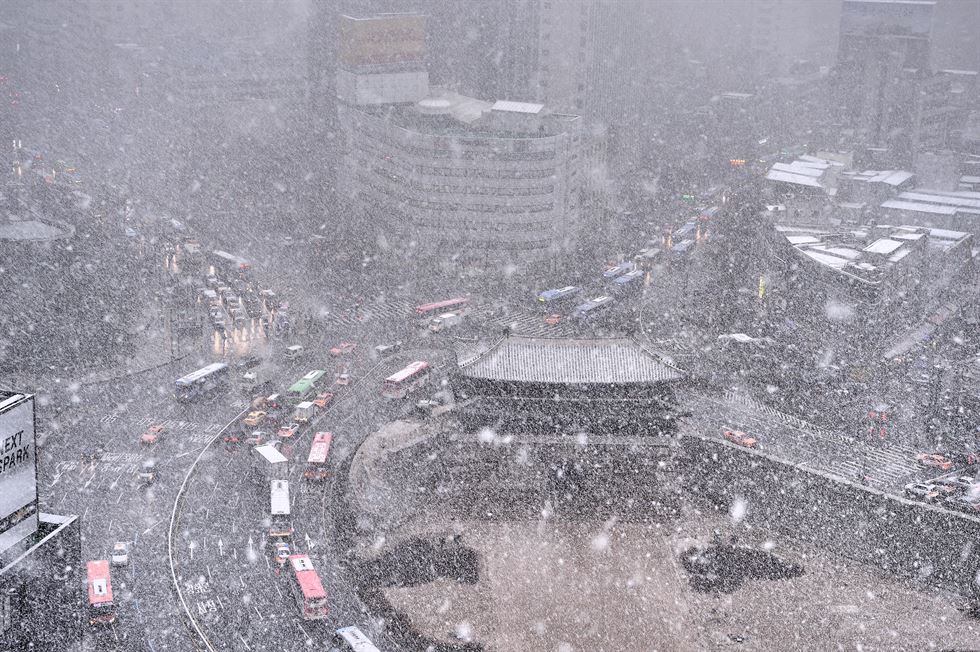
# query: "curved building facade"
{"points": [[467, 182]]}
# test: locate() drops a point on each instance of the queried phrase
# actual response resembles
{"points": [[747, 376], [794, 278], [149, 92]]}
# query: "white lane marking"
{"points": [[154, 525]]}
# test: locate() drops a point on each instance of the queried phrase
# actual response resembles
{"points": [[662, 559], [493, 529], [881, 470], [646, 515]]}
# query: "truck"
{"points": [[269, 462], [445, 321], [304, 412], [256, 381]]}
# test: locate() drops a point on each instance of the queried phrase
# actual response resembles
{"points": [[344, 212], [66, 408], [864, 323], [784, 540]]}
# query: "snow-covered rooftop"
{"points": [[865, 257], [572, 361]]}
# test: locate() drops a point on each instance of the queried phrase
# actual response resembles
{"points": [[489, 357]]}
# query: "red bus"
{"points": [[307, 589], [399, 384], [427, 310], [316, 463], [101, 611]]}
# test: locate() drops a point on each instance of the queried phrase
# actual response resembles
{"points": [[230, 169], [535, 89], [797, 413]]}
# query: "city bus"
{"points": [[618, 270], [281, 525], [316, 463], [201, 382], [409, 379], [647, 258], [306, 386], [590, 308], [307, 589], [551, 298], [426, 311], [351, 639], [227, 266], [683, 249], [630, 282], [684, 232], [101, 611]]}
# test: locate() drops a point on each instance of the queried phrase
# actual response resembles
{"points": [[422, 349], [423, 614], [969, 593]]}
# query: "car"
{"points": [[387, 349], [255, 418], [152, 435], [552, 320], [950, 485], [287, 432], [922, 491], [257, 438], [740, 438], [282, 552], [248, 363], [232, 437], [343, 380], [120, 554], [147, 474], [323, 399], [968, 458], [934, 460], [342, 349]]}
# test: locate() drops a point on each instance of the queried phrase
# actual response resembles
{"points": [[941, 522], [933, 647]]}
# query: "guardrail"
{"points": [[173, 522]]}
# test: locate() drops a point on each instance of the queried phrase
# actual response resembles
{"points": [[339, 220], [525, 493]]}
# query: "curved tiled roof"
{"points": [[570, 361]]}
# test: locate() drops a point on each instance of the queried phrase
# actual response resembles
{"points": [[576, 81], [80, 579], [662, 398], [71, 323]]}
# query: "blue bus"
{"points": [[683, 249], [590, 308], [558, 295], [647, 258], [629, 282], [618, 270], [685, 231]]}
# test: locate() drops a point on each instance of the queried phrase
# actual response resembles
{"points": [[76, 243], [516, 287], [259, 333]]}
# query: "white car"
{"points": [[120, 554]]}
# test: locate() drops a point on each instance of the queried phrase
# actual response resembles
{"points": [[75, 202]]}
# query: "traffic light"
{"points": [[877, 424]]}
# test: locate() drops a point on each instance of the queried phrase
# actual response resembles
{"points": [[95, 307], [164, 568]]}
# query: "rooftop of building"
{"points": [[868, 254], [447, 113], [936, 202], [565, 361]]}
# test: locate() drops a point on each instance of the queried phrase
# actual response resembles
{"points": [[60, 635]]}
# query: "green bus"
{"points": [[306, 386]]}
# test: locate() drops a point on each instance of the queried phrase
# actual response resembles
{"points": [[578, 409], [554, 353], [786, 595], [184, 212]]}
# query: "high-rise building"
{"points": [[884, 82], [448, 178], [782, 33]]}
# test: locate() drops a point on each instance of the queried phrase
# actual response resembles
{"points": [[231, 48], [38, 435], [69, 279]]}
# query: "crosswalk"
{"points": [[740, 398], [888, 466]]}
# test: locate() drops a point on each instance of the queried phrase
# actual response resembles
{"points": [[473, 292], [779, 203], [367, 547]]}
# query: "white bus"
{"points": [[281, 525], [203, 381], [227, 266], [588, 309], [412, 377], [353, 640]]}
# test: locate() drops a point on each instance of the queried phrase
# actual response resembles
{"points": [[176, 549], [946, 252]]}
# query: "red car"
{"points": [[287, 432], [152, 435], [740, 438], [935, 460], [323, 399], [552, 320], [343, 349]]}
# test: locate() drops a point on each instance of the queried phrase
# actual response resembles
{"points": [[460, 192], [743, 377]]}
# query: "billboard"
{"points": [[18, 469], [382, 40]]}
